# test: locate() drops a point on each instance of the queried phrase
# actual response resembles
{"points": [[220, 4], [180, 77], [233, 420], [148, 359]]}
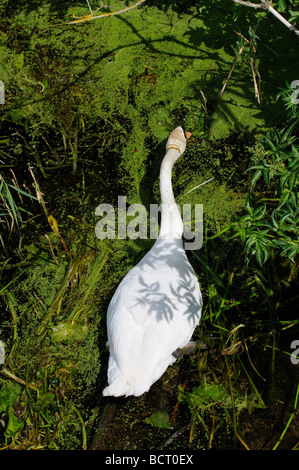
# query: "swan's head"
{"points": [[177, 140]]}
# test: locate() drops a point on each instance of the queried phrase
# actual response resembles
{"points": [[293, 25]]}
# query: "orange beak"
{"points": [[188, 135]]}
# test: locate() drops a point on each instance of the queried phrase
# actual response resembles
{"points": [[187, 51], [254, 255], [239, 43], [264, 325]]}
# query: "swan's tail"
{"points": [[122, 383], [134, 383], [122, 387]]}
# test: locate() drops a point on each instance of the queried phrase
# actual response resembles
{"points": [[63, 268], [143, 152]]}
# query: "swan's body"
{"points": [[158, 303]]}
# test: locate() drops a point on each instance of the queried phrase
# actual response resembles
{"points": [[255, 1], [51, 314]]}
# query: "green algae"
{"points": [[56, 312], [137, 75], [123, 67], [101, 98]]}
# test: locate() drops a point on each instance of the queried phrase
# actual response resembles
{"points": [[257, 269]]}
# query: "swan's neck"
{"points": [[171, 221]]}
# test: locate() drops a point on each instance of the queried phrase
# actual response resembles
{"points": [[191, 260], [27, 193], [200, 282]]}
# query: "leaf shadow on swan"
{"points": [[151, 294], [158, 304]]}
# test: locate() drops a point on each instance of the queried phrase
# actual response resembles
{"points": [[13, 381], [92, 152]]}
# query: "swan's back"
{"points": [[149, 317], [157, 305]]}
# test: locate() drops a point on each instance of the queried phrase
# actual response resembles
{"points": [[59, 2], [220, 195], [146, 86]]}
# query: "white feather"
{"points": [[157, 305]]}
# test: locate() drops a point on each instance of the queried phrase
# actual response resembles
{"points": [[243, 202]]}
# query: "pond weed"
{"points": [[89, 108]]}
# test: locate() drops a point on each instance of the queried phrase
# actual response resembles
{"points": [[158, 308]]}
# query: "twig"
{"points": [[50, 244], [252, 5], [113, 13], [207, 181], [17, 379], [242, 441], [16, 184], [89, 6], [231, 71], [265, 5], [254, 72], [176, 434], [39, 194], [54, 227], [283, 20]]}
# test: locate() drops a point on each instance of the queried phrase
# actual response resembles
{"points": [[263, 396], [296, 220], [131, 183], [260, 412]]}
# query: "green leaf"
{"points": [[284, 198], [8, 395], [295, 153], [69, 331], [259, 255], [10, 200], [285, 134], [160, 419], [259, 212], [22, 192], [269, 140], [283, 179], [206, 394], [293, 253], [20, 60], [251, 240], [248, 205], [255, 167], [282, 4], [293, 199], [266, 176], [256, 177], [274, 221], [44, 400], [13, 425]]}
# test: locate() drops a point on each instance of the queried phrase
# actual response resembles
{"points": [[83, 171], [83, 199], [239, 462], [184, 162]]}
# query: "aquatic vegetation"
{"points": [[88, 107], [213, 406], [159, 419], [273, 225], [56, 320], [11, 209]]}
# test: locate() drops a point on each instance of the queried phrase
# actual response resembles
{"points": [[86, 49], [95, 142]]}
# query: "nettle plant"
{"points": [[273, 225], [290, 97]]}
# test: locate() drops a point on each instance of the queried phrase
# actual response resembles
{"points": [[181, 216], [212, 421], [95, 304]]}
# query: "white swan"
{"points": [[158, 303]]}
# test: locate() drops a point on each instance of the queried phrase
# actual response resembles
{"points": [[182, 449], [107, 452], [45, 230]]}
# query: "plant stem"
{"points": [[289, 420], [17, 379], [84, 439], [91, 17], [232, 398], [265, 5], [231, 71]]}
